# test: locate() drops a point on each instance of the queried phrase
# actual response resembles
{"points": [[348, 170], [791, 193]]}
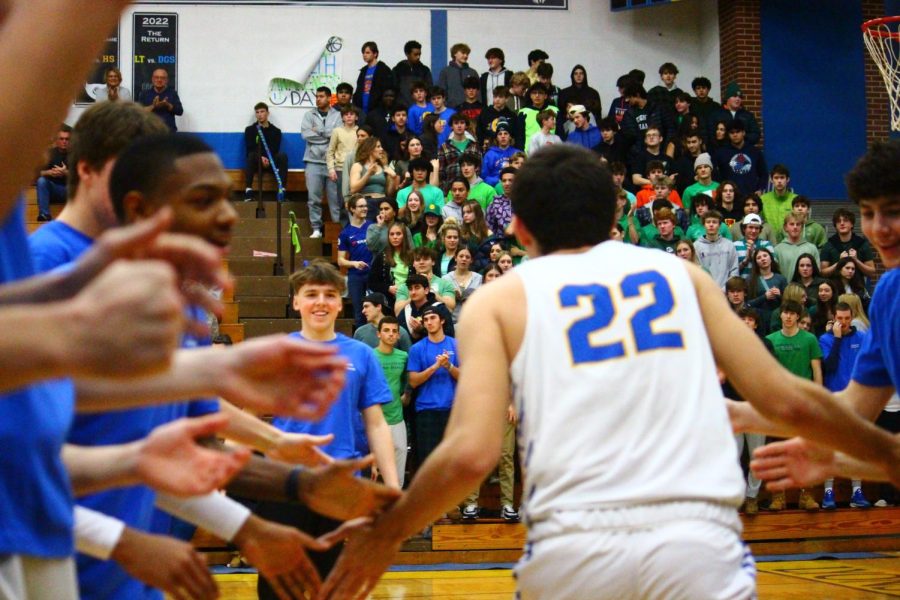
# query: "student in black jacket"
{"points": [[374, 78]]}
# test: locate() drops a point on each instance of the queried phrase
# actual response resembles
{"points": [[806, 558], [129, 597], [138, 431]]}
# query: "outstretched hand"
{"points": [[793, 463], [171, 461], [336, 492], [301, 449], [282, 376], [366, 556]]}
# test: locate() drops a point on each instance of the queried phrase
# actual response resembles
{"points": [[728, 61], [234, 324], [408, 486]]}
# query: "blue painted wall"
{"points": [[814, 103]]}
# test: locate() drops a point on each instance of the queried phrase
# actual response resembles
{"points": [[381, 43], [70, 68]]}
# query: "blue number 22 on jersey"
{"points": [[604, 313]]}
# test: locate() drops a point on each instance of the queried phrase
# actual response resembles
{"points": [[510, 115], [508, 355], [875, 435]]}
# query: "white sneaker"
{"points": [[882, 503], [316, 234]]}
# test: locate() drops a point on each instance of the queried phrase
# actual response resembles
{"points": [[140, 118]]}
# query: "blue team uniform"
{"points": [[35, 495], [878, 364], [133, 505]]}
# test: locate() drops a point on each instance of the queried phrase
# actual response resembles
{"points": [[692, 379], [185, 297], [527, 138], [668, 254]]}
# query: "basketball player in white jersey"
{"points": [[630, 480]]}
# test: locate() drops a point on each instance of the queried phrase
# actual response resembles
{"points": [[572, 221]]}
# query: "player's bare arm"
{"points": [[469, 450], [802, 406]]}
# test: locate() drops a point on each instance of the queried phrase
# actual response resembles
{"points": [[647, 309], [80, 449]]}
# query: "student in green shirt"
{"points": [[393, 363], [478, 189], [812, 231], [776, 205]]}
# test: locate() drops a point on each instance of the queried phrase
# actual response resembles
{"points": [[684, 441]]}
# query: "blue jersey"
{"points": [[352, 240], [436, 393], [132, 505], [365, 386], [55, 244], [415, 114], [878, 364], [35, 496]]}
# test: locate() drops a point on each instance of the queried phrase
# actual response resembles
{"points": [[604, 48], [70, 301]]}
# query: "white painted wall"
{"points": [[227, 54]]}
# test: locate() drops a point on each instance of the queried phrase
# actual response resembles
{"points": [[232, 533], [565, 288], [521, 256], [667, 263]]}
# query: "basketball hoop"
{"points": [[882, 38]]}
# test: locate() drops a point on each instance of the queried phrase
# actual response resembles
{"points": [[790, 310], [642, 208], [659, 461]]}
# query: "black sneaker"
{"points": [[248, 195], [43, 218]]}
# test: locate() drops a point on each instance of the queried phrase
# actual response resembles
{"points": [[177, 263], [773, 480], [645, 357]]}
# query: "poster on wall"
{"points": [[294, 85], [109, 58], [552, 4], [155, 47]]}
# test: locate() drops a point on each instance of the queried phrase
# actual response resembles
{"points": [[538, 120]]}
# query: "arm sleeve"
{"points": [[831, 352], [96, 534], [213, 512], [177, 108]]}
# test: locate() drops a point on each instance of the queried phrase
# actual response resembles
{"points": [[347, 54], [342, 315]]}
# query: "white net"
{"points": [[882, 38]]}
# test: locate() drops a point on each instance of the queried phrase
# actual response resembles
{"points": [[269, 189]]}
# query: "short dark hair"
{"points": [[496, 53], [736, 284], [342, 87], [792, 306], [800, 199], [843, 213], [501, 90], [544, 115], [471, 83], [470, 159], [780, 169], [544, 70], [655, 165], [507, 171], [399, 107], [418, 84], [145, 165], [420, 164], [64, 128], [460, 47], [410, 46], [348, 109], [388, 320], [260, 105], [423, 252], [682, 97], [536, 55], [617, 167], [637, 76], [668, 67], [579, 188], [103, 131], [634, 89], [713, 214], [371, 46], [437, 90], [327, 90], [622, 81], [461, 180], [701, 82], [317, 272], [458, 118], [876, 175], [608, 124], [748, 311]]}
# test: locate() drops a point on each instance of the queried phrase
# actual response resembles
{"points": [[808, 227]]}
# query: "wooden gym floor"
{"points": [[870, 579]]}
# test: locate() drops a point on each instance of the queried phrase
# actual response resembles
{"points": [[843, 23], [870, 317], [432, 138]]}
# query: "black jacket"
{"points": [[383, 78], [406, 74]]}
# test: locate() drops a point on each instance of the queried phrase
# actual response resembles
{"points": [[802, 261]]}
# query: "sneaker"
{"points": [[248, 195], [509, 513], [751, 506], [316, 234], [806, 502], [828, 502], [470, 511], [882, 503], [857, 500], [778, 502], [43, 218]]}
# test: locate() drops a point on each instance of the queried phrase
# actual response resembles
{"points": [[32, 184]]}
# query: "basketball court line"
{"points": [[866, 576]]}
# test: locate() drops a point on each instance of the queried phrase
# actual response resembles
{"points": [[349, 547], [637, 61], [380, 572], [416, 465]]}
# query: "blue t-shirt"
{"points": [[365, 386], [367, 88], [878, 364], [415, 114], [436, 393], [56, 244], [35, 497], [134, 505], [445, 134], [352, 240]]}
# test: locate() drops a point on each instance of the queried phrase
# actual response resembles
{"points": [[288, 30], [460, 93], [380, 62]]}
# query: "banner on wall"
{"points": [[97, 80], [551, 4], [155, 44], [318, 65]]}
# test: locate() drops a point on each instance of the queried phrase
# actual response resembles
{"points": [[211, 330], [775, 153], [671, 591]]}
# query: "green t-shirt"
{"points": [[394, 367], [430, 193], [796, 352], [649, 232], [776, 208], [481, 192], [440, 287], [692, 190]]}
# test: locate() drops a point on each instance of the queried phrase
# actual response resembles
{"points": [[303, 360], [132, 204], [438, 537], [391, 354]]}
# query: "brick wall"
{"points": [[740, 53], [878, 109]]}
